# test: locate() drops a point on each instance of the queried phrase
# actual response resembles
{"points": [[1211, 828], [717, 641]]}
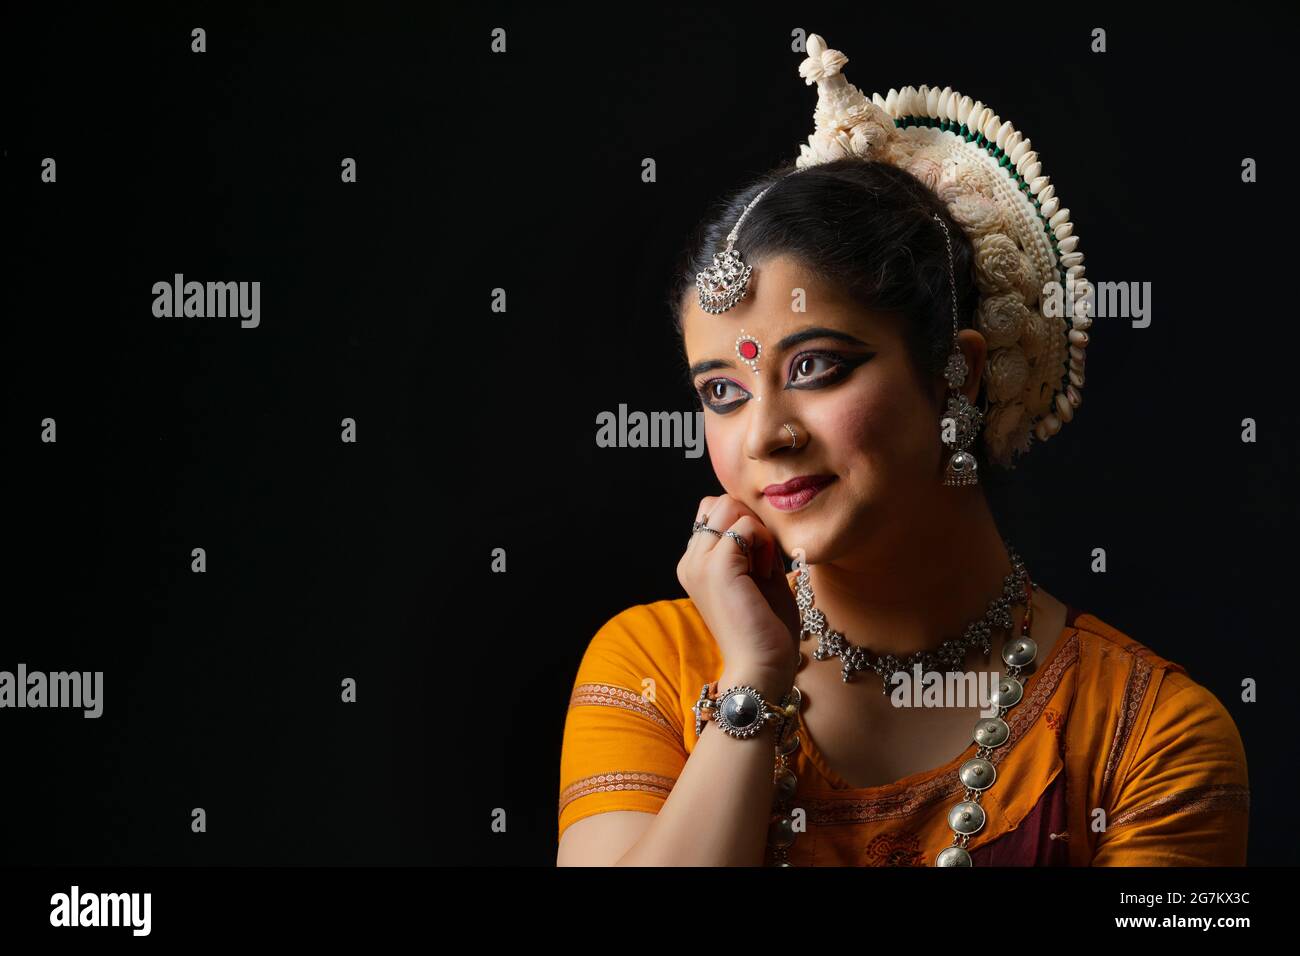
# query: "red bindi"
{"points": [[748, 348]]}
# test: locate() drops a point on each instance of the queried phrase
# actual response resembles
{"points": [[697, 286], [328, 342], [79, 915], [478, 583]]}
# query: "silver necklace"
{"points": [[949, 656], [967, 817]]}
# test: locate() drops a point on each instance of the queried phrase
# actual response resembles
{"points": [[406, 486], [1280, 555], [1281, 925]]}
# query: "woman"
{"points": [[842, 344]]}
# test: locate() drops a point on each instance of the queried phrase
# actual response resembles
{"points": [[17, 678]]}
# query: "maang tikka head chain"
{"points": [[962, 420], [723, 284]]}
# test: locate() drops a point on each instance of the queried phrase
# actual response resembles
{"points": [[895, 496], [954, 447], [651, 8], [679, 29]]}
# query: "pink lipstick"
{"points": [[797, 492]]}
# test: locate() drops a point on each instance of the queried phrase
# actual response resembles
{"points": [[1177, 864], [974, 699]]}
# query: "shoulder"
{"points": [[1151, 707], [1112, 648], [664, 630], [1161, 753], [665, 641], [1114, 666]]}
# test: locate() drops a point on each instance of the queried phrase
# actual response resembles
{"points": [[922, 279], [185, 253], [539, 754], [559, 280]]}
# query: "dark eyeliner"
{"points": [[725, 409], [702, 392], [843, 365]]}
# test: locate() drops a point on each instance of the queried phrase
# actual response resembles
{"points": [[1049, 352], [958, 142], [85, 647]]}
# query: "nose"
{"points": [[767, 435]]}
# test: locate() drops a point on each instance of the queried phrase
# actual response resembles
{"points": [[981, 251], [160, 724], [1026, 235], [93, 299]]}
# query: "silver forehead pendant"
{"points": [[723, 284]]}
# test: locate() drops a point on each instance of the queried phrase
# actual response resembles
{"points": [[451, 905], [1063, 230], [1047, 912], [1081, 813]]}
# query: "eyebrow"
{"points": [[817, 333], [790, 341], [699, 368]]}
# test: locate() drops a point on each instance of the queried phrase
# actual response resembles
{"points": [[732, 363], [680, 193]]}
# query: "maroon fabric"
{"points": [[1031, 843]]}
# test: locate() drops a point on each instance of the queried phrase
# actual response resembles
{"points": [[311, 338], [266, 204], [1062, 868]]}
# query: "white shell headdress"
{"points": [[992, 182]]}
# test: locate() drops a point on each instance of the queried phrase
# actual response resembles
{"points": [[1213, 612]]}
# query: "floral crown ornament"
{"points": [[992, 182]]}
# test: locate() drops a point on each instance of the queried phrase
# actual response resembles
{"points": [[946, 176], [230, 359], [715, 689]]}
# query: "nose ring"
{"points": [[794, 438]]}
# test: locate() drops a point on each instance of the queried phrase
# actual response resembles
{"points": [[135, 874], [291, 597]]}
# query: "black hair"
{"points": [[863, 226]]}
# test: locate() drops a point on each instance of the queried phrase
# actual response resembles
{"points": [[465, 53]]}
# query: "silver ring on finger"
{"points": [[702, 526], [743, 544]]}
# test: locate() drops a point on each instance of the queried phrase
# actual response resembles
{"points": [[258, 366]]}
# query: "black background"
{"points": [[477, 429]]}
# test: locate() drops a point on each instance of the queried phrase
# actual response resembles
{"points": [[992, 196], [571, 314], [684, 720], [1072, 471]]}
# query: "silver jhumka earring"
{"points": [[965, 417]]}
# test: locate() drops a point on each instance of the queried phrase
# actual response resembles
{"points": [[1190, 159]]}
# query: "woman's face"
{"points": [[869, 447]]}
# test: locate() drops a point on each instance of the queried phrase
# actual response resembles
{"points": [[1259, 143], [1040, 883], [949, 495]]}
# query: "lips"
{"points": [[797, 492]]}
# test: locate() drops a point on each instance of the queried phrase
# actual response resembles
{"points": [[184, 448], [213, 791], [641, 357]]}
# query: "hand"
{"points": [[744, 599]]}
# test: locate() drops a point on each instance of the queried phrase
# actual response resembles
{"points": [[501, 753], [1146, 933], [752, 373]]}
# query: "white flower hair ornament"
{"points": [[992, 183]]}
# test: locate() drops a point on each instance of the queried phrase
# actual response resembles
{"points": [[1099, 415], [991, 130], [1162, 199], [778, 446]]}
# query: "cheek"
{"points": [[884, 418], [725, 442], [849, 428]]}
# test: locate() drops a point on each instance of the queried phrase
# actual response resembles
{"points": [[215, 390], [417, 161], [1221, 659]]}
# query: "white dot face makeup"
{"points": [[749, 349]]}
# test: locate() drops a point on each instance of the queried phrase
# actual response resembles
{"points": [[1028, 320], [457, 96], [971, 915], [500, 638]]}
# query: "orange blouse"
{"points": [[1116, 757]]}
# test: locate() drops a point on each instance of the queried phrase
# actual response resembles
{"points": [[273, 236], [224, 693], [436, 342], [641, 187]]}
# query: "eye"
{"points": [[819, 369], [722, 394], [811, 366]]}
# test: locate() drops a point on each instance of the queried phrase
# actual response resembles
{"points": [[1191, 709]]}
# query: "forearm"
{"points": [[720, 807]]}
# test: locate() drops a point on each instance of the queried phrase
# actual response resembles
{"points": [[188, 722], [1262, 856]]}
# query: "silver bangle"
{"points": [[739, 712]]}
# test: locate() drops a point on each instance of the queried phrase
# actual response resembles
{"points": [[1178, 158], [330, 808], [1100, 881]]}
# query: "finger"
{"points": [[701, 540], [737, 508], [762, 543], [757, 538], [724, 513], [720, 519]]}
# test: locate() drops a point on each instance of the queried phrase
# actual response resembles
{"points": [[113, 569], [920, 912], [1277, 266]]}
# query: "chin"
{"points": [[818, 539], [824, 535]]}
